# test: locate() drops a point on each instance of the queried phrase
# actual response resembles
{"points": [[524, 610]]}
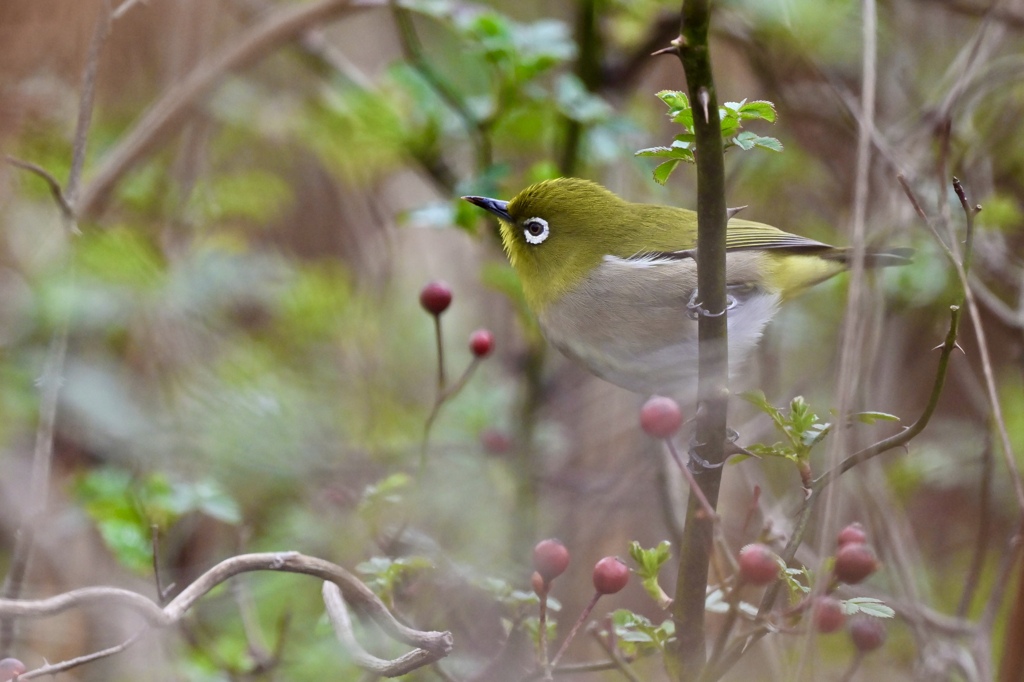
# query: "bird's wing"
{"points": [[745, 235], [741, 235]]}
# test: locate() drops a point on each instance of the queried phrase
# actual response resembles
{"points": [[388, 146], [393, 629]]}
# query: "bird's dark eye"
{"points": [[535, 230]]}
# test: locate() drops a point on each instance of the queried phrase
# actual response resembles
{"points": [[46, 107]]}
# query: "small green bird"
{"points": [[613, 283]]}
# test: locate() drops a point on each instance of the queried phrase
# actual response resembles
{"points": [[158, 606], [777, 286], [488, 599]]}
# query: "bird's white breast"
{"points": [[628, 323]]}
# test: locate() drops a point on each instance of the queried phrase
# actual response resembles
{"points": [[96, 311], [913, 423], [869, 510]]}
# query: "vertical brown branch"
{"points": [[688, 607]]}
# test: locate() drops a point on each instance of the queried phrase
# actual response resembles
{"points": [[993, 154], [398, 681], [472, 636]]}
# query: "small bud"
{"points": [[11, 668], [855, 562], [828, 615], [758, 564], [867, 633], [550, 559], [610, 575], [540, 587], [481, 343], [852, 534], [435, 297], [661, 417]]}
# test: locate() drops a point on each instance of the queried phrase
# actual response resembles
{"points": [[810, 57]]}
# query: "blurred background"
{"points": [[248, 368]]}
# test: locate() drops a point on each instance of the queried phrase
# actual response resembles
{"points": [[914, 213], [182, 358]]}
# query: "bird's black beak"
{"points": [[495, 206]]}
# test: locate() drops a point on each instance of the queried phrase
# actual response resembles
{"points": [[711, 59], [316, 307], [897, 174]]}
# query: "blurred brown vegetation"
{"points": [[244, 330]]}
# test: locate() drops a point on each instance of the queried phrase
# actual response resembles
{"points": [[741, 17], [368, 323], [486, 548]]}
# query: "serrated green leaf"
{"points": [[747, 140], [664, 170], [654, 151], [675, 99], [759, 109]]}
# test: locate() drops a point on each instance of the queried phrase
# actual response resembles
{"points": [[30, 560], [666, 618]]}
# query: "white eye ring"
{"points": [[535, 230]]}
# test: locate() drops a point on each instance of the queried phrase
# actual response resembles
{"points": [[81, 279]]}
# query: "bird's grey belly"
{"points": [[639, 334]]}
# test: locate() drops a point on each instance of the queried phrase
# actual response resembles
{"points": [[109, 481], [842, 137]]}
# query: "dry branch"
{"points": [[434, 645]]}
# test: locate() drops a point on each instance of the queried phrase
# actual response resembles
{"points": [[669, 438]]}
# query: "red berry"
{"points": [[11, 668], [550, 559], [758, 564], [435, 297], [481, 342], [854, 562], [852, 534], [495, 441], [610, 575], [867, 633], [828, 614], [661, 417]]}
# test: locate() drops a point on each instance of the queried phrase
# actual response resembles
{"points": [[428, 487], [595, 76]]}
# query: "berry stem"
{"points": [[542, 634], [576, 628], [443, 396], [440, 355]]}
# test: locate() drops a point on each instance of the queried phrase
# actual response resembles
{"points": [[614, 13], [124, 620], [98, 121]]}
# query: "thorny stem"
{"points": [[687, 657]]}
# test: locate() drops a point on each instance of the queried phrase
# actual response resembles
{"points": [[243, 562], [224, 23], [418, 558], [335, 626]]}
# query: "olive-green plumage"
{"points": [[611, 281]]}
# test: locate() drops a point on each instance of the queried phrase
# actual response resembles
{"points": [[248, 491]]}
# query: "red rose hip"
{"points": [[828, 615], [550, 559], [855, 562], [481, 343], [435, 297], [661, 417], [758, 564], [852, 534], [610, 575], [867, 633]]}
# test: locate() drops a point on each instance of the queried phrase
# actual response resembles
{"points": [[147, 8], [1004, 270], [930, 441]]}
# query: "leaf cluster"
{"points": [[732, 116]]}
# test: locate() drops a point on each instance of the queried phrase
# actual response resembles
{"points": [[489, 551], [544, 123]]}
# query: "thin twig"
{"points": [[51, 669], [85, 105], [584, 615], [169, 113], [981, 542], [404, 664], [613, 653], [986, 361], [66, 211]]}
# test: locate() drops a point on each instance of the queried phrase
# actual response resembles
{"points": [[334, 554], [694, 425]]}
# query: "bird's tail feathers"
{"points": [[882, 258]]}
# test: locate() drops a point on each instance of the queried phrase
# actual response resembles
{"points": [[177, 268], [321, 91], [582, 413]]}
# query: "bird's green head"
{"points": [[555, 232]]}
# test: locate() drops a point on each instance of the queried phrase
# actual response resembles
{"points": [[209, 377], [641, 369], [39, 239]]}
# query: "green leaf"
{"points": [[675, 99], [650, 562], [638, 634], [747, 140], [868, 606], [759, 109], [654, 151], [872, 417], [664, 170], [760, 401]]}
